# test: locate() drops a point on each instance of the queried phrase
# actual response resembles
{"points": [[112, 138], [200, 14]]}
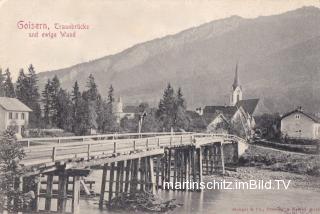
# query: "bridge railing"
{"points": [[52, 153], [59, 140]]}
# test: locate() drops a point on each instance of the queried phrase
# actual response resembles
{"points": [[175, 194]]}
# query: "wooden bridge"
{"points": [[129, 163]]}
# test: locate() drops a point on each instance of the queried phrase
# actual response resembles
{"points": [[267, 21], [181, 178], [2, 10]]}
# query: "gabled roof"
{"points": [[249, 105], [311, 116], [13, 104], [221, 109], [211, 112]]}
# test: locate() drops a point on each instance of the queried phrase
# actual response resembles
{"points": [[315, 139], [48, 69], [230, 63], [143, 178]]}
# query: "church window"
{"points": [[297, 116]]}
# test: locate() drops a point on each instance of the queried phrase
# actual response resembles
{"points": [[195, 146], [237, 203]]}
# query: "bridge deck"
{"points": [[94, 150]]}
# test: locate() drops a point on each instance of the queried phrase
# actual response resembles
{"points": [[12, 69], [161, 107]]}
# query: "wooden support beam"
{"points": [[163, 168], [158, 168], [62, 192], [152, 179], [49, 192], [222, 158], [194, 165], [76, 195], [103, 185], [175, 167], [142, 171], [122, 169], [199, 154], [36, 188], [111, 183], [169, 166], [134, 175], [128, 169], [117, 190]]}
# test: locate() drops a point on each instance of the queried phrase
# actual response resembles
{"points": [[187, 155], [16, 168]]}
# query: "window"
{"points": [[297, 116], [17, 115], [10, 115], [22, 116]]}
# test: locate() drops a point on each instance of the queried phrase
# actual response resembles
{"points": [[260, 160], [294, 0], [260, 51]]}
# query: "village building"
{"points": [[121, 111], [299, 124], [13, 113], [238, 116]]}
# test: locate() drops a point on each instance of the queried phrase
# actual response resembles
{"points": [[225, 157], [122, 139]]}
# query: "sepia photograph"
{"points": [[160, 106]]}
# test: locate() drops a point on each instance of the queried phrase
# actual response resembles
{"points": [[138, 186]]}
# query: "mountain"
{"points": [[278, 59]]}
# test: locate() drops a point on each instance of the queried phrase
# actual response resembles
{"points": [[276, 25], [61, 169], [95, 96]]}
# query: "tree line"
{"points": [[82, 111]]}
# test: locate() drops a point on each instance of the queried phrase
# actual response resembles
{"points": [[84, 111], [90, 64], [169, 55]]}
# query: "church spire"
{"points": [[236, 94], [236, 78]]}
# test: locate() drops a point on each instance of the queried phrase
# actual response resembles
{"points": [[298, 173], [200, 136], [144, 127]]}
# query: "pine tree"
{"points": [[54, 93], [8, 85], [11, 152], [166, 110], [111, 95], [47, 102], [76, 101], [21, 87], [29, 95], [90, 96], [64, 111], [181, 118], [2, 86]]}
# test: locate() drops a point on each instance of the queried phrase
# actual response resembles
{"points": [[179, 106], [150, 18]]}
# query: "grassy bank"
{"points": [[277, 160]]}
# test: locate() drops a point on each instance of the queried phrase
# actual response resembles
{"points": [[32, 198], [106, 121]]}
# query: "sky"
{"points": [[114, 25]]}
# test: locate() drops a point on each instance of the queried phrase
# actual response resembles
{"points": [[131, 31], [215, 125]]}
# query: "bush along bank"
{"points": [[310, 148], [277, 160]]}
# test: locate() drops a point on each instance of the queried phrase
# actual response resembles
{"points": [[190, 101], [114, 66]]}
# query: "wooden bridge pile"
{"points": [[144, 164]]}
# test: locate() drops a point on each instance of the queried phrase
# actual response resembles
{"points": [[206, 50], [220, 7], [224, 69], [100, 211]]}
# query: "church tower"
{"points": [[236, 93]]}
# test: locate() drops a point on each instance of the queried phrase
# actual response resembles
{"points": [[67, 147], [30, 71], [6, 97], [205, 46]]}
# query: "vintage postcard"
{"points": [[160, 106]]}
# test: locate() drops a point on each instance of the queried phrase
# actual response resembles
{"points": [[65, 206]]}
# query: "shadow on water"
{"points": [[227, 201]]}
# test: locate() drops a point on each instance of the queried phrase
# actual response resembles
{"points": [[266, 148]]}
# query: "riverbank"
{"points": [[279, 160], [298, 181]]}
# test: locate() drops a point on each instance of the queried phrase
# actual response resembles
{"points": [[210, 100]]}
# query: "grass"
{"points": [[277, 160]]}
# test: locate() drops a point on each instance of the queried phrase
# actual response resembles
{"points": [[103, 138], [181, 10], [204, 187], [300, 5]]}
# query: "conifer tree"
{"points": [[27, 92], [47, 102], [8, 85], [166, 110], [2, 87]]}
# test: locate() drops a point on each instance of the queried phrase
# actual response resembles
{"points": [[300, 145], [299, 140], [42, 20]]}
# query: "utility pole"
{"points": [[142, 115]]}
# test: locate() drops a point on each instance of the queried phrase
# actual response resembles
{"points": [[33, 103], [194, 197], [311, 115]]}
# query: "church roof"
{"points": [[248, 105], [13, 104]]}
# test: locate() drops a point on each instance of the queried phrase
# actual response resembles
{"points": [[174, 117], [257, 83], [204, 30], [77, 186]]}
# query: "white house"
{"points": [[13, 113], [299, 124]]}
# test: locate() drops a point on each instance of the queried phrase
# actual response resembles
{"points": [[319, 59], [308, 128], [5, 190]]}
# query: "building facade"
{"points": [[299, 124], [13, 113], [237, 116]]}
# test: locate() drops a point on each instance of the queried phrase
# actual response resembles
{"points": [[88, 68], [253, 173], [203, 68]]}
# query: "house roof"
{"points": [[13, 104], [211, 112], [309, 115], [131, 109], [248, 105]]}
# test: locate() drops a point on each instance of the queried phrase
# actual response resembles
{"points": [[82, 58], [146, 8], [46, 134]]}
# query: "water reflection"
{"points": [[229, 202]]}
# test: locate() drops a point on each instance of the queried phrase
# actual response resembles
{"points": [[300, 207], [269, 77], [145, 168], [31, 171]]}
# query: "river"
{"points": [[291, 201]]}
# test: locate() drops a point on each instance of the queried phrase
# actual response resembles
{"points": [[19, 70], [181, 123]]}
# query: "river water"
{"points": [[291, 201]]}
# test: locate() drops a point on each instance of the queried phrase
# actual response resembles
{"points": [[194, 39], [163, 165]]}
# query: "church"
{"points": [[236, 118]]}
